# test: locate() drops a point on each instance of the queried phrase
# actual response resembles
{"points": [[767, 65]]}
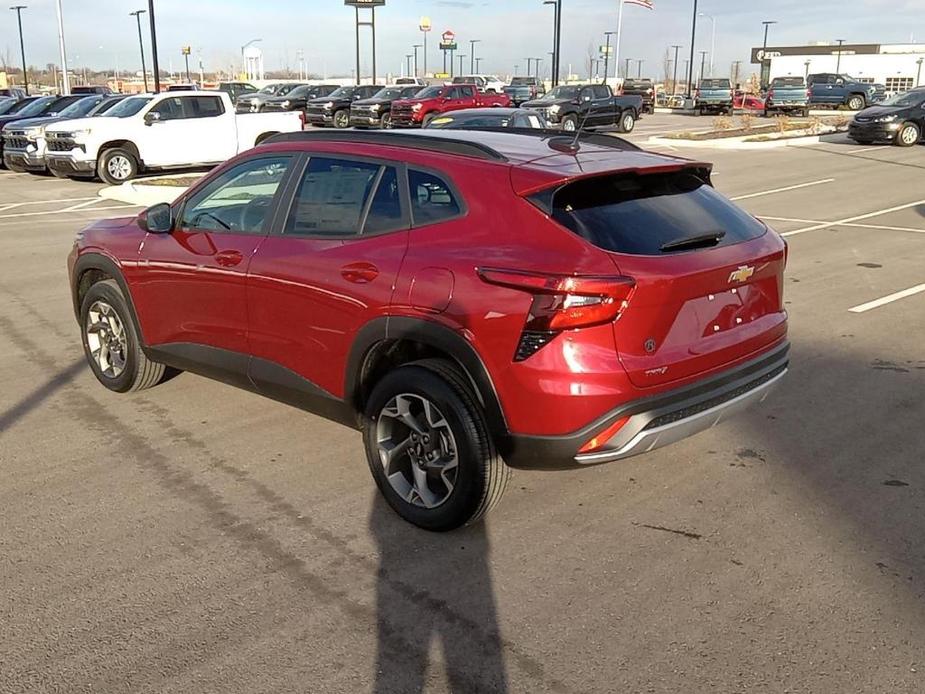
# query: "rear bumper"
{"points": [[658, 420]]}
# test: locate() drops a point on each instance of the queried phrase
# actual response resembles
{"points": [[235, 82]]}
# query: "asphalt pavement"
{"points": [[196, 538]]}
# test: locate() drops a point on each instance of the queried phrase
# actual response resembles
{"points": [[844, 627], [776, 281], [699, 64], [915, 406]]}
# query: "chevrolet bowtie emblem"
{"points": [[741, 274]]}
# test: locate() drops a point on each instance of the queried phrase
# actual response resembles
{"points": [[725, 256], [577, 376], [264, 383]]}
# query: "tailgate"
{"points": [[708, 276]]}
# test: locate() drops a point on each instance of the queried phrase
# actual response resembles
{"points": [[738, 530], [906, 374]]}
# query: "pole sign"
{"points": [[448, 41], [185, 50], [605, 50], [424, 24], [364, 3]]}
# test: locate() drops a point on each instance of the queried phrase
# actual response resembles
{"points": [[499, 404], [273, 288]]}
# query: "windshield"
{"points": [[298, 92], [904, 99], [129, 107], [37, 106], [429, 93], [342, 93], [272, 89], [563, 92], [285, 89], [105, 106], [388, 93], [6, 105], [79, 109]]}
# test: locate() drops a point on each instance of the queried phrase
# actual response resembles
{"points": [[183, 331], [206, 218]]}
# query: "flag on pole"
{"points": [[648, 4]]}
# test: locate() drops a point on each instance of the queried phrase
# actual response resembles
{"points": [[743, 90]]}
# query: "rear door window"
{"points": [[641, 214], [432, 199]]}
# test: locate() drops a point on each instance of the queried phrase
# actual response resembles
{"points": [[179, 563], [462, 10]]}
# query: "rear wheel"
{"points": [[855, 102], [908, 135], [116, 166], [111, 344], [342, 119], [428, 447]]}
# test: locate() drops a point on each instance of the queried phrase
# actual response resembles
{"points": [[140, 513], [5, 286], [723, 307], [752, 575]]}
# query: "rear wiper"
{"points": [[688, 242]]}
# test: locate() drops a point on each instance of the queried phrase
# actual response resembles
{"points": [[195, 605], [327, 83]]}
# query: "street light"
{"points": [[626, 67], [529, 63], [764, 44], [155, 66], [674, 79], [408, 57], [712, 40], [415, 47], [460, 57], [556, 29], [690, 71], [478, 68], [639, 68], [22, 46], [65, 82], [137, 15], [472, 54], [703, 60], [841, 42], [607, 35], [918, 74]]}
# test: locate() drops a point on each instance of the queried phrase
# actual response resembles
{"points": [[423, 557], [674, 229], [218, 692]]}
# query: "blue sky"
{"points": [[100, 32]]}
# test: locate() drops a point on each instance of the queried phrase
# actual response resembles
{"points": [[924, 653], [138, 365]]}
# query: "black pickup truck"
{"points": [[334, 108], [573, 106], [376, 111], [643, 87]]}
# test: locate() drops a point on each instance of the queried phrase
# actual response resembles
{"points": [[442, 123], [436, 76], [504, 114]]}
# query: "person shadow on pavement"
{"points": [[434, 589]]}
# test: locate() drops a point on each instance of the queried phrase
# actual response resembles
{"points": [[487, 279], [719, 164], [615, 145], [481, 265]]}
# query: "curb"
{"points": [[138, 193]]}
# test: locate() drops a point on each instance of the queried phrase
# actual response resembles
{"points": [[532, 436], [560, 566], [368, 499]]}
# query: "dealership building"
{"points": [[898, 66]]}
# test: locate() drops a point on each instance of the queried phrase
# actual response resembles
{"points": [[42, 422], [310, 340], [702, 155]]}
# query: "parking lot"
{"points": [[196, 538]]}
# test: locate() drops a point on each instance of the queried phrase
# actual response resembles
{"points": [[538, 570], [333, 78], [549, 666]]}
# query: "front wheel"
{"points": [[428, 447], [856, 103], [627, 122], [908, 135], [570, 123], [386, 121], [116, 166], [342, 119], [111, 343]]}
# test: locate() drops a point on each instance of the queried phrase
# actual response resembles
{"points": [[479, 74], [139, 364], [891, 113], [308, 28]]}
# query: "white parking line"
{"points": [[783, 190], [868, 149], [888, 299], [823, 225], [844, 224], [11, 205], [93, 209]]}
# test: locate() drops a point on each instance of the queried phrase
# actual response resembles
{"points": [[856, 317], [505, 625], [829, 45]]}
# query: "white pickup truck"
{"points": [[163, 131]]}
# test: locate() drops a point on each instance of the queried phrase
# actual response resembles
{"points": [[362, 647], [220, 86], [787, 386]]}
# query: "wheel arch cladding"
{"points": [[389, 342], [128, 145], [94, 267]]}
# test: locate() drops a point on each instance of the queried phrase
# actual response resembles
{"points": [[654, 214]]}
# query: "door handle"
{"points": [[359, 273], [229, 258]]}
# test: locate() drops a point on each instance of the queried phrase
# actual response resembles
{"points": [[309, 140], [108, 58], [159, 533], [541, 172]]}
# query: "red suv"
{"points": [[463, 298]]}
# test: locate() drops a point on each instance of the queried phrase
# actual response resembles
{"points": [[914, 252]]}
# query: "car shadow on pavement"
{"points": [[37, 397], [434, 589]]}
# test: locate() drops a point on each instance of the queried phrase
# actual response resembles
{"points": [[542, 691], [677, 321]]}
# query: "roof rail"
{"points": [[413, 140]]}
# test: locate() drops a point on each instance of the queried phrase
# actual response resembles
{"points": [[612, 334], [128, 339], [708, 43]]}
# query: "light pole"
{"points": [[556, 6], [415, 47], [674, 79], [639, 68], [690, 71], [538, 61], [408, 57], [626, 67], [703, 61], [460, 57], [529, 63], [764, 45], [712, 40], [478, 67], [607, 35], [154, 66], [806, 72], [918, 74], [472, 54], [516, 68], [22, 46], [144, 73], [841, 42]]}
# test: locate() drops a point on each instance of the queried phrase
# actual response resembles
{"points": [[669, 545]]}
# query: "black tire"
{"points": [[569, 123], [767, 113], [386, 121], [480, 474], [116, 166], [855, 102], [428, 119], [909, 134], [138, 371], [627, 122], [342, 119], [805, 112], [700, 111]]}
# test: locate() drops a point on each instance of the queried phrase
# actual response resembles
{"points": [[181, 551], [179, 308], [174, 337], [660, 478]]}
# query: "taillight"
{"points": [[532, 91], [771, 94], [809, 93], [302, 118], [696, 93], [601, 439], [562, 302]]}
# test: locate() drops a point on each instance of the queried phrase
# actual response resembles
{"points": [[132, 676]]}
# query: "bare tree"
{"points": [[666, 66]]}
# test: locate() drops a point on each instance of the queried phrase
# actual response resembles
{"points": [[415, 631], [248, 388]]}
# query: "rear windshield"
{"points": [[787, 82], [523, 81], [641, 214], [715, 84]]}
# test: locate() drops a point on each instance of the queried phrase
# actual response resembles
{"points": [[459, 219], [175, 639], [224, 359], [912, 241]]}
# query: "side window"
{"points": [[586, 94], [469, 92], [239, 200], [203, 106], [332, 197], [431, 198], [601, 92], [169, 109], [385, 209]]}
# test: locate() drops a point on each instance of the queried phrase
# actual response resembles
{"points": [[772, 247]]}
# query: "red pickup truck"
{"points": [[431, 102]]}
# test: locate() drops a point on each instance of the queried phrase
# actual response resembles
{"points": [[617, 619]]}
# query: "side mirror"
{"points": [[157, 219], [152, 117]]}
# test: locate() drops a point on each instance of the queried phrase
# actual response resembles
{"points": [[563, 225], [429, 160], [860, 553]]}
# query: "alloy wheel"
{"points": [[119, 167], [417, 450], [568, 125], [909, 135], [341, 119], [106, 339]]}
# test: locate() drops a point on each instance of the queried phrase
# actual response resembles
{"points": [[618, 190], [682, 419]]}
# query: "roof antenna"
{"points": [[570, 146]]}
